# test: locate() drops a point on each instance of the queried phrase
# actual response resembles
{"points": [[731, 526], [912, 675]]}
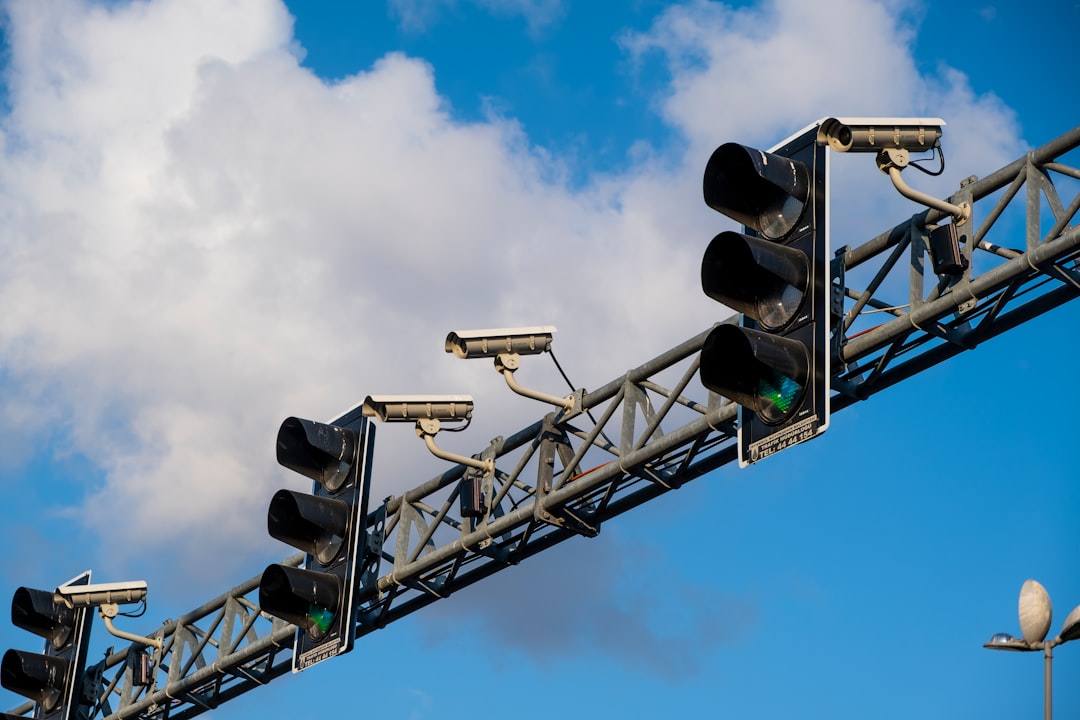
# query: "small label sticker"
{"points": [[316, 655], [799, 432]]}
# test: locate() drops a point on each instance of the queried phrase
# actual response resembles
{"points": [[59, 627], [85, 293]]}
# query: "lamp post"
{"points": [[1035, 612]]}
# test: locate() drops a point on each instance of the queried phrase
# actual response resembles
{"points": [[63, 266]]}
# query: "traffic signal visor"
{"points": [[42, 678], [761, 279], [321, 452], [316, 525], [766, 373], [35, 611], [305, 598], [765, 192]]}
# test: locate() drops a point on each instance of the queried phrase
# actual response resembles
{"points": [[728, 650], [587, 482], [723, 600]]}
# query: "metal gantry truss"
{"points": [[945, 315], [632, 440]]}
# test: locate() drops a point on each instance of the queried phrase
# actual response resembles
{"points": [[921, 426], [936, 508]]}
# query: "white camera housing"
{"points": [[119, 593], [877, 134], [411, 408], [491, 343]]}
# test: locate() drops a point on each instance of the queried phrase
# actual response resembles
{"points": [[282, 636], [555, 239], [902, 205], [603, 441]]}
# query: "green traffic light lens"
{"points": [[778, 395], [321, 619]]}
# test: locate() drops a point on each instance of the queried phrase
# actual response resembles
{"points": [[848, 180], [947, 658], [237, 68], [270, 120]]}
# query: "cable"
{"points": [[941, 155], [456, 429], [140, 613], [572, 387], [559, 368]]}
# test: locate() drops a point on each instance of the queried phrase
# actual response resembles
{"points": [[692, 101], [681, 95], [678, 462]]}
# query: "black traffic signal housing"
{"points": [[328, 525], [54, 678], [776, 273]]}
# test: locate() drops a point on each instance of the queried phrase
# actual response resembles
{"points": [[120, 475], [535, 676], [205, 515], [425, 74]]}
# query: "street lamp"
{"points": [[1035, 613]]}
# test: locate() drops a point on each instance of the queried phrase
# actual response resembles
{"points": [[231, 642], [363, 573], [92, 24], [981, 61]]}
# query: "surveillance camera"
{"points": [[410, 408], [876, 134], [76, 596], [490, 343]]}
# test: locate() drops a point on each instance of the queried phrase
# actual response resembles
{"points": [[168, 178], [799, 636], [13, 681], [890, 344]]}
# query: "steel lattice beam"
{"points": [[959, 312], [565, 475]]}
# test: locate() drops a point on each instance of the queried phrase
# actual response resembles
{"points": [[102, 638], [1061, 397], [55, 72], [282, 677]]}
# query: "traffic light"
{"points": [[328, 525], [52, 679], [775, 362]]}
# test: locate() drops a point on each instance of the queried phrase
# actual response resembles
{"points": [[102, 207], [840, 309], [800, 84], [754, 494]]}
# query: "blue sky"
{"points": [[219, 214]]}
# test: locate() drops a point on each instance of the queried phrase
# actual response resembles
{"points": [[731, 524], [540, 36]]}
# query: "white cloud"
{"points": [[202, 238], [755, 75], [764, 71], [420, 15]]}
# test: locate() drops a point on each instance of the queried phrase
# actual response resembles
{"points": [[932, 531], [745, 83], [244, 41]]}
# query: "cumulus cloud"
{"points": [[757, 74], [802, 61], [202, 238]]}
